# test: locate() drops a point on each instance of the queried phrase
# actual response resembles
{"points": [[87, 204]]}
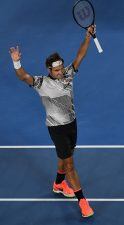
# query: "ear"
{"points": [[49, 70]]}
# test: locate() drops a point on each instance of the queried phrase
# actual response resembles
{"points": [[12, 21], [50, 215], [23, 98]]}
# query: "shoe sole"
{"points": [[61, 192], [88, 215]]}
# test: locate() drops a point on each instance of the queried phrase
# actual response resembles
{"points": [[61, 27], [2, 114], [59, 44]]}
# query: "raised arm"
{"points": [[84, 47], [20, 72]]}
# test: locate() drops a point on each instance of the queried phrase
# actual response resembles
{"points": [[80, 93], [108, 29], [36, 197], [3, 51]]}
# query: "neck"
{"points": [[52, 77]]}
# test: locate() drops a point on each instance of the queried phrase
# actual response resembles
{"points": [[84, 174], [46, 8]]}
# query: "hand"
{"points": [[15, 53], [91, 30]]}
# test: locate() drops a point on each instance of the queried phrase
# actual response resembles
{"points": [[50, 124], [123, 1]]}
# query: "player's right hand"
{"points": [[15, 53]]}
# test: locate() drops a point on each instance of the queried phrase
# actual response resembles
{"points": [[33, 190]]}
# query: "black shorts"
{"points": [[64, 138]]}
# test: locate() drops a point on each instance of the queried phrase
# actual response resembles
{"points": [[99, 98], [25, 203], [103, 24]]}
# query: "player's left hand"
{"points": [[91, 30]]}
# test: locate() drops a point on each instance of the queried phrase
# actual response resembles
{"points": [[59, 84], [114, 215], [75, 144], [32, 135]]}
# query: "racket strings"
{"points": [[84, 14]]}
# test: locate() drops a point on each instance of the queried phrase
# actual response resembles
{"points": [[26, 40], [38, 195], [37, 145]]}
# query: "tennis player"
{"points": [[56, 92]]}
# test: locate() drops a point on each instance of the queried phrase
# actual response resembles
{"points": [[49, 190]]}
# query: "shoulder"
{"points": [[69, 70], [37, 81]]}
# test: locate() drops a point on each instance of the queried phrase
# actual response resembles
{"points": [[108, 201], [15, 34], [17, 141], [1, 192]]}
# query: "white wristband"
{"points": [[17, 64]]}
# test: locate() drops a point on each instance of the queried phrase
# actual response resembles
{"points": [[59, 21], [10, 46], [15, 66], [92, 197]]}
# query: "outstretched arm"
{"points": [[84, 47], [20, 72]]}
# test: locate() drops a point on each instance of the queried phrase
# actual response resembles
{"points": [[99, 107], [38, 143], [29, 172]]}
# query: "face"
{"points": [[57, 72]]}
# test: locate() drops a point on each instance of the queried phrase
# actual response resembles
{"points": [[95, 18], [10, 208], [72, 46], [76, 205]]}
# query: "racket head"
{"points": [[83, 13]]}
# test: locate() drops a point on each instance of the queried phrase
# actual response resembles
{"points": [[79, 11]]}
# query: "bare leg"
{"points": [[61, 165], [71, 174], [74, 181]]}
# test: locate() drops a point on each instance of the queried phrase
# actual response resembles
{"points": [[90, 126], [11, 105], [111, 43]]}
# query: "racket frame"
{"points": [[86, 28]]}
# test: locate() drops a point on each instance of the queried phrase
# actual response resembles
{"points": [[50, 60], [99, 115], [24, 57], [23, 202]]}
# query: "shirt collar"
{"points": [[52, 77]]}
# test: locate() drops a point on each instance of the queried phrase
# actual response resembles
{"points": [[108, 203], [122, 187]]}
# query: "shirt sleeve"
{"points": [[37, 82], [70, 72]]}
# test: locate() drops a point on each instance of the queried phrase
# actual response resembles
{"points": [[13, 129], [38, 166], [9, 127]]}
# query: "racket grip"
{"points": [[100, 50]]}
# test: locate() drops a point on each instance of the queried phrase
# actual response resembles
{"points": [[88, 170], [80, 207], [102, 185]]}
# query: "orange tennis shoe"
{"points": [[64, 189], [86, 210]]}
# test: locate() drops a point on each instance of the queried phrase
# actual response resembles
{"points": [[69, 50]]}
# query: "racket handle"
{"points": [[100, 50]]}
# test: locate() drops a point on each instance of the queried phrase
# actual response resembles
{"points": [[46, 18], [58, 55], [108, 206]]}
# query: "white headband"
{"points": [[57, 63]]}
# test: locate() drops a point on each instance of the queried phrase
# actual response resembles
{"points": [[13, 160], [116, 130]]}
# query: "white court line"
{"points": [[58, 200], [61, 200], [52, 146]]}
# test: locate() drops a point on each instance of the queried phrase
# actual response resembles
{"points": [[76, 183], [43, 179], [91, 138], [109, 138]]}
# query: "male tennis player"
{"points": [[56, 92]]}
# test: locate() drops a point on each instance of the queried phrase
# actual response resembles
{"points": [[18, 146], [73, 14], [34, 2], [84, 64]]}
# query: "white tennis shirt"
{"points": [[57, 97]]}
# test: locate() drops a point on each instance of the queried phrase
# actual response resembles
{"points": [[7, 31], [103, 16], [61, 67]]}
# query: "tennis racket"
{"points": [[84, 15]]}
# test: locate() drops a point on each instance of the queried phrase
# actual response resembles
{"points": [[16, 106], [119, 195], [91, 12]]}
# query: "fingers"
{"points": [[91, 30], [94, 28], [18, 50], [14, 49], [15, 53]]}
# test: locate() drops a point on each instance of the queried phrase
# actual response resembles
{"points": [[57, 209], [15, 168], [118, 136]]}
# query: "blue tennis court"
{"points": [[41, 27], [26, 187]]}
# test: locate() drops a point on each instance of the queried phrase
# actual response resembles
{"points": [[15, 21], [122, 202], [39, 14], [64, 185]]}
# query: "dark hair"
{"points": [[53, 58]]}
